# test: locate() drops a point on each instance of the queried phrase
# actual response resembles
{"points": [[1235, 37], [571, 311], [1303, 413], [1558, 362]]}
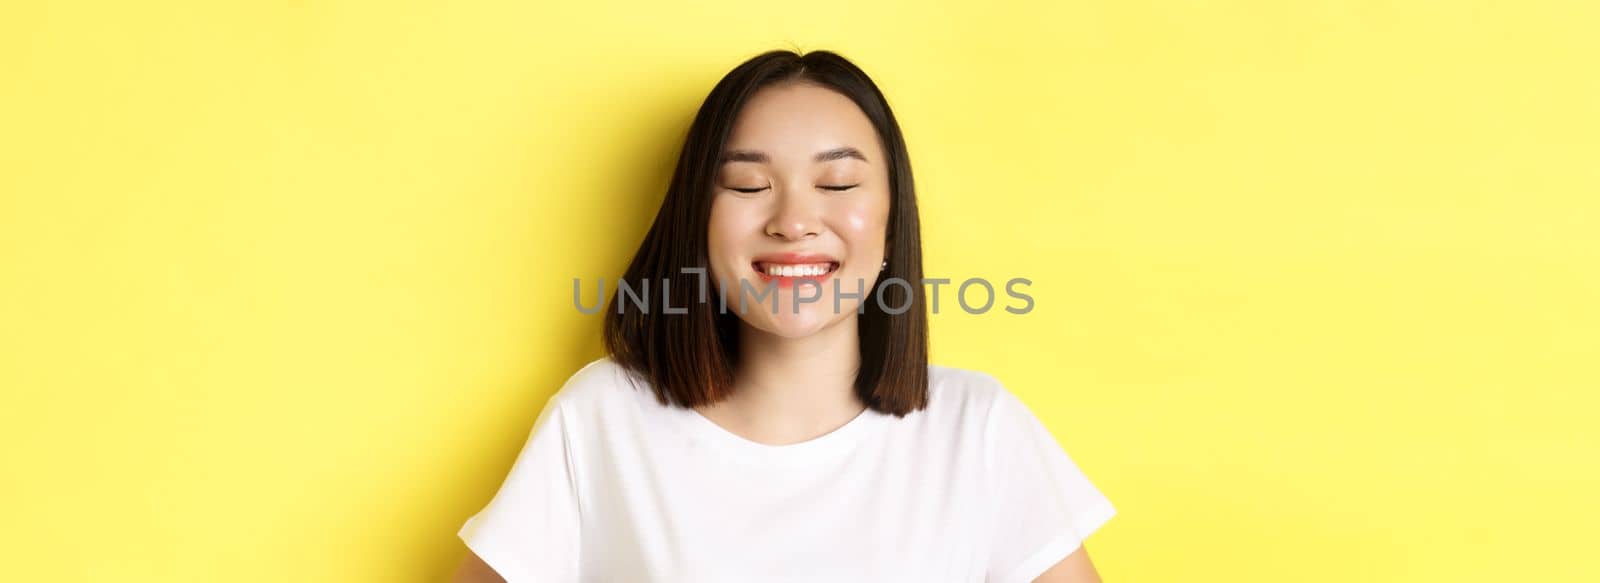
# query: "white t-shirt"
{"points": [[613, 486]]}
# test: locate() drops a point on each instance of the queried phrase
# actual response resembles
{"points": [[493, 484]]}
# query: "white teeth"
{"points": [[807, 270]]}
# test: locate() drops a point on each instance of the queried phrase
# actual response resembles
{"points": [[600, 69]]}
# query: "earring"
{"points": [[885, 265]]}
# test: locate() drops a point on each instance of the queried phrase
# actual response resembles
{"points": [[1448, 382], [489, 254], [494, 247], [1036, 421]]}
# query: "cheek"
{"points": [[727, 229], [717, 228], [863, 228]]}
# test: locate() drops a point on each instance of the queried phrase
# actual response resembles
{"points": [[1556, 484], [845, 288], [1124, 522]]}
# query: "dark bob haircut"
{"points": [[688, 358]]}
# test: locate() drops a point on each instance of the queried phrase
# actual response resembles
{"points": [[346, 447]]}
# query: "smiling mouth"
{"points": [[795, 270]]}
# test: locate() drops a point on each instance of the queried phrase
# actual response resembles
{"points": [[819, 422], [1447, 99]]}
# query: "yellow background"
{"points": [[283, 285]]}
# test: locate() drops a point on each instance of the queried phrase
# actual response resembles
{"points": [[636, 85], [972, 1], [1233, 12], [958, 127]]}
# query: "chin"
{"points": [[795, 325]]}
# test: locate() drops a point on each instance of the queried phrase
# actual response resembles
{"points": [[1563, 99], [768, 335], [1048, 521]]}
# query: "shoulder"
{"points": [[971, 393], [598, 383]]}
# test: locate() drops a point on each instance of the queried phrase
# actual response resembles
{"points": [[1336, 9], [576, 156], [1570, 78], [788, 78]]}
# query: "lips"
{"points": [[786, 269]]}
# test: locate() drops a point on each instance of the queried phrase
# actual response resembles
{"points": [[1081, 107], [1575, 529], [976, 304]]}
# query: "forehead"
{"points": [[794, 121]]}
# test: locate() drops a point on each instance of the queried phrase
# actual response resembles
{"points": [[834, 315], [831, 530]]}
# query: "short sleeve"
{"points": [[1045, 506], [529, 531]]}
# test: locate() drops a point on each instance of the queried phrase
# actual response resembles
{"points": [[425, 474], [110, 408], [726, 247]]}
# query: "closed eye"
{"points": [[835, 188]]}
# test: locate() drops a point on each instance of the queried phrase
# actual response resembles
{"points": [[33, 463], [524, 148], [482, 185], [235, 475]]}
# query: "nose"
{"points": [[795, 216]]}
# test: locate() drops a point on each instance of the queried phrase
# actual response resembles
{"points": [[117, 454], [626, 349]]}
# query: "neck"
{"points": [[789, 390]]}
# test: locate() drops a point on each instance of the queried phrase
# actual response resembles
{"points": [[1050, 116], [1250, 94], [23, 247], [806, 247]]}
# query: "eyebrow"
{"points": [[762, 158]]}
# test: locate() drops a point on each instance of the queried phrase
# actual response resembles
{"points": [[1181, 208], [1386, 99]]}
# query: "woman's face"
{"points": [[800, 205]]}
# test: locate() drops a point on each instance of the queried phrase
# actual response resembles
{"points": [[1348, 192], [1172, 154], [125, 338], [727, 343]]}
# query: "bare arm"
{"points": [[474, 570], [1075, 568]]}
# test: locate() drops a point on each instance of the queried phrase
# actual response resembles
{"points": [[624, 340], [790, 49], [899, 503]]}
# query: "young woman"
{"points": [[804, 437]]}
